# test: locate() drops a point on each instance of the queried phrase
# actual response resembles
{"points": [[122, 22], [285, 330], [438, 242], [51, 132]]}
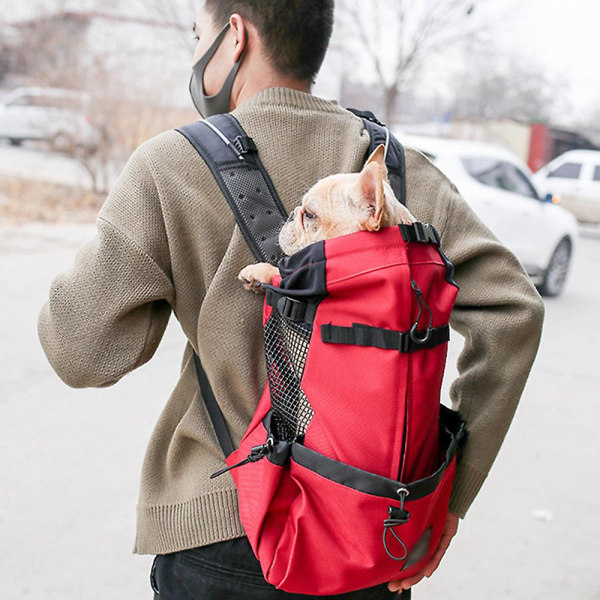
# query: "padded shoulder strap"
{"points": [[233, 160], [394, 158]]}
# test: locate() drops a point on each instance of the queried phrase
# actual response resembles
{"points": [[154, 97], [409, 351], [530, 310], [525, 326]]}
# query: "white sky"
{"points": [[563, 35]]}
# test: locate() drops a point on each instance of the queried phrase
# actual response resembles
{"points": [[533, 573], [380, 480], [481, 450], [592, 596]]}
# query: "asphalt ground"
{"points": [[71, 458]]}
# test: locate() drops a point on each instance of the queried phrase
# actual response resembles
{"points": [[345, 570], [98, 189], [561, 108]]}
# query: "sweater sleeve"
{"points": [[500, 314], [107, 313]]}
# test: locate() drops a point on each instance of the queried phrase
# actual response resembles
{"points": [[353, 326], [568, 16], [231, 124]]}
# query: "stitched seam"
{"points": [[133, 243], [381, 268]]}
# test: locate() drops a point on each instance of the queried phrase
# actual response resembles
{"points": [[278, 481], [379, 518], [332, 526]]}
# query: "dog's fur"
{"points": [[336, 205]]}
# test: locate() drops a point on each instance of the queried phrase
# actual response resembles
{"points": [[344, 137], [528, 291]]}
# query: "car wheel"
{"points": [[15, 141], [556, 273]]}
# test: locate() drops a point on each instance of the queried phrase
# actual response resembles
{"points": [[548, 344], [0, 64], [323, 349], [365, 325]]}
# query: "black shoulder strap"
{"points": [[232, 158], [214, 411], [394, 158]]}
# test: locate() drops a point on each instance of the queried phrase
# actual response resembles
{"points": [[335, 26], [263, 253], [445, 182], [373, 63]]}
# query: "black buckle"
{"points": [[424, 233], [427, 233], [291, 309], [244, 144], [404, 345]]}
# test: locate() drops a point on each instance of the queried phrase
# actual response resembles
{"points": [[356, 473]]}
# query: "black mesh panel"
{"points": [[251, 194], [286, 347]]}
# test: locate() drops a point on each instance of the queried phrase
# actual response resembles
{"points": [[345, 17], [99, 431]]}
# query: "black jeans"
{"points": [[229, 570]]}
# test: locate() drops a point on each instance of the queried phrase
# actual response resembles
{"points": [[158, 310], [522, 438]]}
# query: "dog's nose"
{"points": [[292, 215]]}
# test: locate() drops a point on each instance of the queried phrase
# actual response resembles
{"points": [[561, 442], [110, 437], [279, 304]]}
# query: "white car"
{"points": [[498, 187], [575, 176], [57, 116]]}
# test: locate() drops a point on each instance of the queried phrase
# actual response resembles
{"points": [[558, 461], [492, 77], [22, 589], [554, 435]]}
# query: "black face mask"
{"points": [[219, 102]]}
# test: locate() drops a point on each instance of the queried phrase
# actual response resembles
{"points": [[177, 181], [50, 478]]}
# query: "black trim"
{"points": [[452, 429], [449, 269], [427, 233], [366, 115], [387, 339], [214, 411]]}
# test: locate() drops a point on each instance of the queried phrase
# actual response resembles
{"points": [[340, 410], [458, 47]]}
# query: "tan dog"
{"points": [[336, 205]]}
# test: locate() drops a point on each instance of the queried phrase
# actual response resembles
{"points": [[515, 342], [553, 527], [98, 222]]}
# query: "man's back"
{"points": [[168, 240]]}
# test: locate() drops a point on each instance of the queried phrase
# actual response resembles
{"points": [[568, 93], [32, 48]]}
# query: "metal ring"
{"points": [[415, 338]]}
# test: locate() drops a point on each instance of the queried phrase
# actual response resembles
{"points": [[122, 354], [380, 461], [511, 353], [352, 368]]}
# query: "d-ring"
{"points": [[415, 338]]}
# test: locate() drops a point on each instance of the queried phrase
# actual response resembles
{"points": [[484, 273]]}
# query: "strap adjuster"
{"points": [[424, 233], [291, 309], [244, 144]]}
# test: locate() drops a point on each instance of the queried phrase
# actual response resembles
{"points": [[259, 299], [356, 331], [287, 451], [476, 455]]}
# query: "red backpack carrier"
{"points": [[345, 471]]}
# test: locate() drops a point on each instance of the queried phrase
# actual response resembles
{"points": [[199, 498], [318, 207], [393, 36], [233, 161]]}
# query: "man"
{"points": [[167, 241]]}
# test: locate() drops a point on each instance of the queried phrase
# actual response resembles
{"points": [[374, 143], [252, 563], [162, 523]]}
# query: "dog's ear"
{"points": [[378, 156], [370, 191]]}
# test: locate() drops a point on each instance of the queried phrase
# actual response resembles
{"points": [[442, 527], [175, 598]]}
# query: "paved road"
{"points": [[71, 458], [33, 160]]}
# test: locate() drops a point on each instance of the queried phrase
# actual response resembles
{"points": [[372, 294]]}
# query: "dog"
{"points": [[336, 205]]}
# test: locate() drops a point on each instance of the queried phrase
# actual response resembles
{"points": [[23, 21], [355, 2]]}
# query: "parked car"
{"points": [[575, 176], [499, 189], [57, 116]]}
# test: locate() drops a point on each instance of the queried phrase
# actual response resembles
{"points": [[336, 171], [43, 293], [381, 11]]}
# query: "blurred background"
{"points": [[503, 96]]}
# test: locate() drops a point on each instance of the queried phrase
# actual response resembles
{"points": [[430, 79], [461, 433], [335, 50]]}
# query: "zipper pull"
{"points": [[256, 453]]}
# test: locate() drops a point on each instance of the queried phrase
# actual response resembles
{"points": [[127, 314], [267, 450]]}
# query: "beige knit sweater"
{"points": [[167, 241]]}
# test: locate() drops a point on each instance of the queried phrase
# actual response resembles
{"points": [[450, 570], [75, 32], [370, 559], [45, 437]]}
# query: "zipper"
{"points": [[405, 426]]}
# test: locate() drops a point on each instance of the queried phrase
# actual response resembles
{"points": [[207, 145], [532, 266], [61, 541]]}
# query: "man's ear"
{"points": [[238, 26], [370, 193], [378, 156]]}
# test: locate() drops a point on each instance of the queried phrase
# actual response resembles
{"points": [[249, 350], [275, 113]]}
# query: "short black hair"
{"points": [[295, 33]]}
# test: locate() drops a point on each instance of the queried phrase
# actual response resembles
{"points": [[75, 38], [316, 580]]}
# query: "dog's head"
{"points": [[344, 203]]}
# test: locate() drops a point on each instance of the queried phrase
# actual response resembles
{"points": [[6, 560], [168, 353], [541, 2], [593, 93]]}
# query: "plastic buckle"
{"points": [[426, 233], [291, 309], [244, 144], [404, 343]]}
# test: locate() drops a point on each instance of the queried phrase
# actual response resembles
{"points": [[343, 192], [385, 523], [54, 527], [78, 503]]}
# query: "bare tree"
{"points": [[511, 83], [398, 36]]}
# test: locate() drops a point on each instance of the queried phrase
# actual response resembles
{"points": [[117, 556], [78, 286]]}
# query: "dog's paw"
{"points": [[253, 276]]}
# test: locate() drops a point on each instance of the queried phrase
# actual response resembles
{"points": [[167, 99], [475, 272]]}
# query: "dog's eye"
{"points": [[309, 215]]}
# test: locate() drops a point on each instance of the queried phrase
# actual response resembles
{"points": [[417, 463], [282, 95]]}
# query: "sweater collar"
{"points": [[282, 96]]}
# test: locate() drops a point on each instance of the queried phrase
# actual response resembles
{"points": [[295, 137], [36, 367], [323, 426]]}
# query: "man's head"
{"points": [[294, 33], [281, 42]]}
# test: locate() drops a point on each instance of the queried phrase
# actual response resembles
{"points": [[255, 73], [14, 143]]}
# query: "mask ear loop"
{"points": [[203, 62], [207, 56]]}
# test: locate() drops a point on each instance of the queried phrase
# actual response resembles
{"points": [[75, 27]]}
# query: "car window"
{"points": [[39, 100], [499, 174], [597, 173], [568, 170], [20, 101]]}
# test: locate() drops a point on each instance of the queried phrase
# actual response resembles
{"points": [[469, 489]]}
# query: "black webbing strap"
{"points": [[388, 339], [232, 158], [214, 411], [394, 158]]}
